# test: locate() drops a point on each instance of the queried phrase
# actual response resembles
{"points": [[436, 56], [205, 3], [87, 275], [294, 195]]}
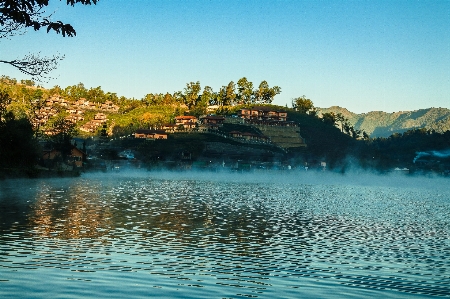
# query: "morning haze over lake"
{"points": [[224, 149]]}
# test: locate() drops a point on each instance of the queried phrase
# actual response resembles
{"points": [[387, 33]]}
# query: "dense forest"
{"points": [[329, 136]]}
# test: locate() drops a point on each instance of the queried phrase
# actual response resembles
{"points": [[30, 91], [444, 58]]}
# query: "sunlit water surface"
{"points": [[213, 235]]}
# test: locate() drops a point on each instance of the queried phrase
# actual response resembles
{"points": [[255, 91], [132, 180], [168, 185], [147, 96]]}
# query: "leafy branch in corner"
{"points": [[30, 13], [17, 15]]}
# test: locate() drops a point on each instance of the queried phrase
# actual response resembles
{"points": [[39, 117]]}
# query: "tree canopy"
{"points": [[303, 105]]}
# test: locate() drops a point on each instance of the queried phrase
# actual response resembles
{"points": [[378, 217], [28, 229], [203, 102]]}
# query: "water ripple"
{"points": [[193, 238]]}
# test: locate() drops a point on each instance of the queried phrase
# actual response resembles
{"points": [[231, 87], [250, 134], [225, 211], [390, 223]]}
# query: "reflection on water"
{"points": [[201, 237]]}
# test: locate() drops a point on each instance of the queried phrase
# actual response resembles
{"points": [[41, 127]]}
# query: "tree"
{"points": [[245, 91], [93, 94], [191, 94], [35, 116], [146, 120], [221, 98], [341, 119], [264, 94], [303, 105], [110, 96], [17, 15], [207, 95], [5, 100], [347, 127], [149, 100], [365, 135], [75, 92], [178, 97], [202, 105], [329, 118], [56, 90], [230, 93], [61, 133], [18, 147], [167, 99]]}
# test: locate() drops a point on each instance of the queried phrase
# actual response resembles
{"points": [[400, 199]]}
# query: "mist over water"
{"points": [[435, 154], [271, 234], [297, 177]]}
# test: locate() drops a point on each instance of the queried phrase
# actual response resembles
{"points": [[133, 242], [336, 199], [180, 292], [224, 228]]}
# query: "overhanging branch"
{"points": [[36, 66]]}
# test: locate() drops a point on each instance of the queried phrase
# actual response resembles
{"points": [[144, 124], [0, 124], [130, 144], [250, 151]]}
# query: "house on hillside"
{"points": [[82, 102], [171, 128], [74, 118], [77, 157], [210, 123], [212, 119], [235, 134], [63, 102], [52, 157], [262, 114], [89, 127], [188, 122], [92, 125], [150, 134], [92, 106], [71, 111], [110, 106], [100, 116]]}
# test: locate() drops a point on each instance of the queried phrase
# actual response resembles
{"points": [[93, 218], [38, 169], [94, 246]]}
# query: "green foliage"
{"points": [[323, 139], [27, 82], [31, 13], [230, 94], [61, 133], [142, 117], [5, 100], [208, 96], [75, 92], [329, 118], [18, 147], [264, 94], [303, 105], [191, 94], [399, 150], [245, 91]]}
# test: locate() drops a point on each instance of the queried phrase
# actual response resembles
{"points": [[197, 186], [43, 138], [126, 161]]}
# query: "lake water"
{"points": [[217, 235]]}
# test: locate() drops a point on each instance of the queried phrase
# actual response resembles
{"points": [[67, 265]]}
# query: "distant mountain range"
{"points": [[383, 124]]}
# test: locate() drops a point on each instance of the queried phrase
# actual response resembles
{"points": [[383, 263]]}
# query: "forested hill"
{"points": [[383, 124]]}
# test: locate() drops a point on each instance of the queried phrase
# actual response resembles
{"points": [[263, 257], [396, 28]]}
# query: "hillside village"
{"points": [[258, 126], [108, 132], [260, 117], [75, 111]]}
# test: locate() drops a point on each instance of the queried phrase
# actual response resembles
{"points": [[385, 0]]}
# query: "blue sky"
{"points": [[361, 55]]}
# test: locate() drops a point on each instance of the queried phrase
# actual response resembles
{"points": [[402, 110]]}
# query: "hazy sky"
{"points": [[361, 55]]}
